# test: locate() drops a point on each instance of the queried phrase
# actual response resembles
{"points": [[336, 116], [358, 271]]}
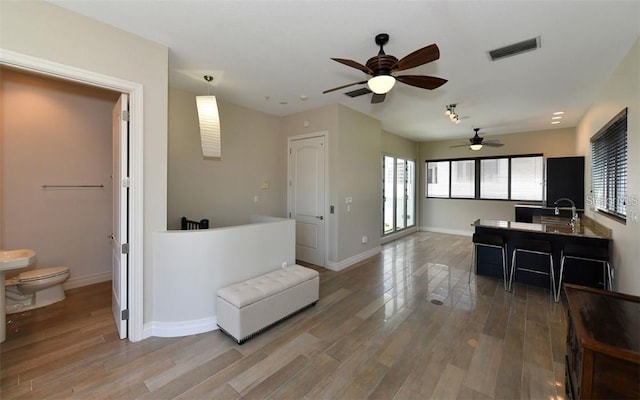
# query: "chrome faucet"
{"points": [[574, 214]]}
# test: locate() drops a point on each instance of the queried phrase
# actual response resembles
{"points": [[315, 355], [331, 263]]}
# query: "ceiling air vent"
{"points": [[515, 49]]}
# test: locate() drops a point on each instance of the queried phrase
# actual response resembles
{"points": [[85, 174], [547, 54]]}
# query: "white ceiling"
{"points": [[265, 55]]}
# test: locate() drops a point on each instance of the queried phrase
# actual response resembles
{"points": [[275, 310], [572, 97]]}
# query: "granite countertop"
{"points": [[553, 229]]}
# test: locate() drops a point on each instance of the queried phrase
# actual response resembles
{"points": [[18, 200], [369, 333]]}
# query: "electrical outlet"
{"points": [[365, 239], [284, 264]]}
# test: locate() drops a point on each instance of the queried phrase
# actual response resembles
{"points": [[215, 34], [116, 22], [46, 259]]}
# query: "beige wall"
{"points": [[223, 190], [456, 215], [44, 31], [622, 90], [399, 146], [354, 151], [358, 176], [57, 133]]}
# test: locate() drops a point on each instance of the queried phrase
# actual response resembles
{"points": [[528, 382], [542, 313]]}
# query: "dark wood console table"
{"points": [[603, 344]]}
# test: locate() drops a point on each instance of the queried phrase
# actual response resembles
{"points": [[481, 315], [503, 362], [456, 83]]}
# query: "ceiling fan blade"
{"points": [[418, 57], [493, 144], [378, 98], [354, 64], [358, 92], [422, 81], [459, 145], [343, 86]]}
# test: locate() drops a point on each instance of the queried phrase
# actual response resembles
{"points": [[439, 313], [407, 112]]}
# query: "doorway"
{"points": [[306, 196], [135, 281]]}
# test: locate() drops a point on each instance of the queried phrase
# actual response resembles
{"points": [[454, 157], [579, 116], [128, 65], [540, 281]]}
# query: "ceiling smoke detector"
{"points": [[515, 49]]}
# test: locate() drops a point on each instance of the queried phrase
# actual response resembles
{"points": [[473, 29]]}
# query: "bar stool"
{"points": [[493, 241], [541, 247], [587, 253]]}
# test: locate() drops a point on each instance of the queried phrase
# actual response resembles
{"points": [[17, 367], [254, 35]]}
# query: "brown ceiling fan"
{"points": [[381, 67], [476, 142]]}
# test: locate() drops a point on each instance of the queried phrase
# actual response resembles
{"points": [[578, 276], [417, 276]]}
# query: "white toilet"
{"points": [[35, 288]]}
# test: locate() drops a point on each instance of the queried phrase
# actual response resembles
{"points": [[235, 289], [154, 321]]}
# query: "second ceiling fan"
{"points": [[476, 142], [381, 67]]}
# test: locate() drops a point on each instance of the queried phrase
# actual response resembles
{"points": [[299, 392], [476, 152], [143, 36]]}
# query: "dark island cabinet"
{"points": [[603, 344]]}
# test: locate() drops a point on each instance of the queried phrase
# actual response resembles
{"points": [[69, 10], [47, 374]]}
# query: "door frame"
{"points": [[329, 217], [136, 136]]}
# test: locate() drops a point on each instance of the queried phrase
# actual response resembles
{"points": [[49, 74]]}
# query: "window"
{"points": [[527, 178], [497, 178], [494, 178], [609, 167], [463, 179], [398, 194], [438, 179]]}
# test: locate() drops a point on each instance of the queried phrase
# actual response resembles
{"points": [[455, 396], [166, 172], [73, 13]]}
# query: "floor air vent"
{"points": [[515, 49]]}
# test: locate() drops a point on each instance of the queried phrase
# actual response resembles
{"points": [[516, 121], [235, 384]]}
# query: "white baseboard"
{"points": [[459, 232], [182, 328], [352, 260], [398, 235], [85, 280]]}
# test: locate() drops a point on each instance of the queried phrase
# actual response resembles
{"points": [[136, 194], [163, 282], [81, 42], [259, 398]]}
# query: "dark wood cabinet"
{"points": [[603, 344]]}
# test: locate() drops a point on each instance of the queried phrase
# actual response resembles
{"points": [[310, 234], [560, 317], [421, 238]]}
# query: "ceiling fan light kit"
{"points": [[381, 84], [381, 67]]}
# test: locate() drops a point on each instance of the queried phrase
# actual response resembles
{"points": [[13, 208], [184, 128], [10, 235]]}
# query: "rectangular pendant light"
{"points": [[209, 125]]}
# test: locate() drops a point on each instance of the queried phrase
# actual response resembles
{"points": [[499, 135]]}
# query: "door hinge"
{"points": [[125, 116], [289, 150], [125, 248], [125, 314], [126, 182]]}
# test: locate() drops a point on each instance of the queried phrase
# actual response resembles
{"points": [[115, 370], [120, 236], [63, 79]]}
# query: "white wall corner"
{"points": [[337, 266]]}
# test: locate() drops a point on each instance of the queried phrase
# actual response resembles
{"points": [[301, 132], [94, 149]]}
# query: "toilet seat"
{"points": [[42, 273]]}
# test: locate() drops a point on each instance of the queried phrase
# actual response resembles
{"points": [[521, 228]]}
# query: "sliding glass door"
{"points": [[398, 194]]}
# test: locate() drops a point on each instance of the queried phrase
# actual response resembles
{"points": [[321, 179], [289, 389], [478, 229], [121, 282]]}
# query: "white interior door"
{"points": [[307, 197], [119, 236]]}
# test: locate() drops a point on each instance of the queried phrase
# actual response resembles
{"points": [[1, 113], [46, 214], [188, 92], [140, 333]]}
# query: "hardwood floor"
{"points": [[401, 325]]}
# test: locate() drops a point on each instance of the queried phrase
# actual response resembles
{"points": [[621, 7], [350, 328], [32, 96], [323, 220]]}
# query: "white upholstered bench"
{"points": [[247, 308]]}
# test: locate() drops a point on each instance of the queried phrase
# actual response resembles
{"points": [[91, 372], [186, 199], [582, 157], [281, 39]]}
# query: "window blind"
{"points": [[609, 167]]}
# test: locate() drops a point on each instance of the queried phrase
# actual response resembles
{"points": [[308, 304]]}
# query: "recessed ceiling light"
{"points": [[558, 113], [558, 117], [555, 122]]}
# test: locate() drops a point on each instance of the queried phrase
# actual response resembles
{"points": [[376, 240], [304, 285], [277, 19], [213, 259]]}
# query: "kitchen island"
{"points": [[581, 272]]}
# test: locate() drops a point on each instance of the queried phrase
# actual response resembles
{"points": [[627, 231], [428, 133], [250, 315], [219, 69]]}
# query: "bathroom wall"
{"points": [[57, 133]]}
